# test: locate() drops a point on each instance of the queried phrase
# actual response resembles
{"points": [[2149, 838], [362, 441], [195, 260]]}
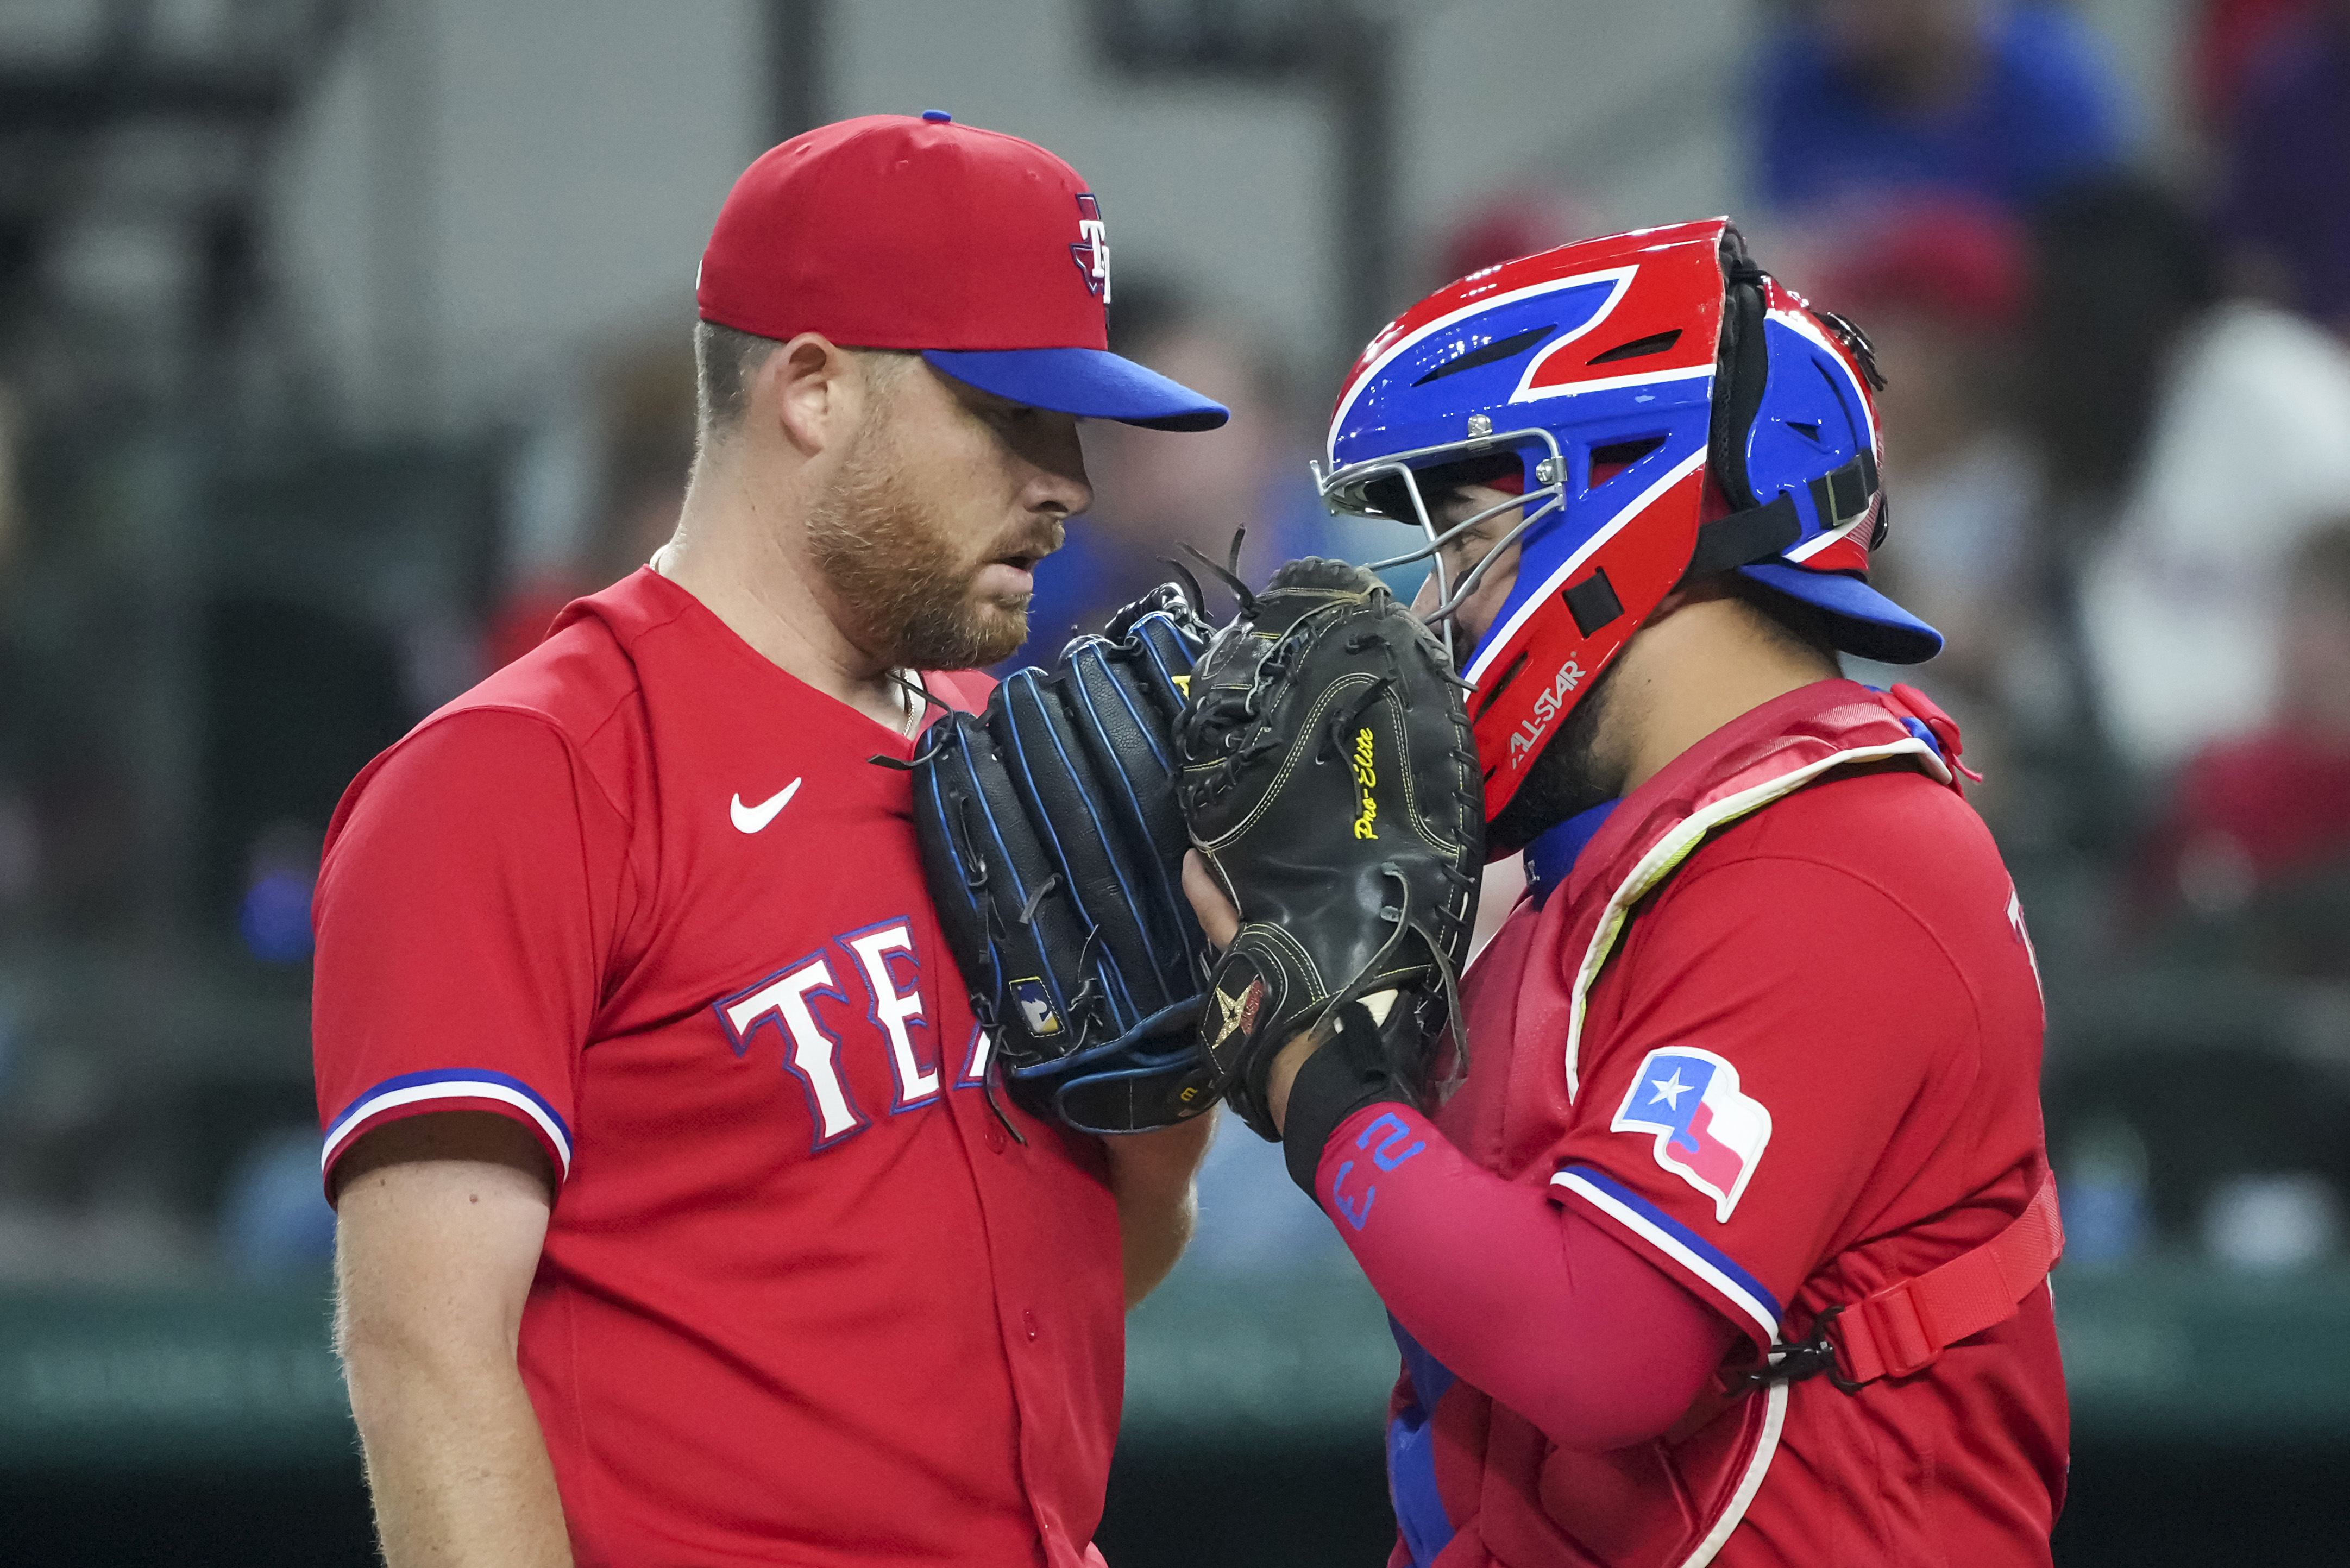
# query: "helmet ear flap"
{"points": [[1742, 371]]}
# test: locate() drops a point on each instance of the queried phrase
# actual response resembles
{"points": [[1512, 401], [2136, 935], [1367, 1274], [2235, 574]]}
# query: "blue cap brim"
{"points": [[1860, 619], [1091, 383]]}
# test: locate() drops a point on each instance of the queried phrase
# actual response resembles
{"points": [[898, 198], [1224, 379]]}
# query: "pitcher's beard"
{"points": [[904, 590]]}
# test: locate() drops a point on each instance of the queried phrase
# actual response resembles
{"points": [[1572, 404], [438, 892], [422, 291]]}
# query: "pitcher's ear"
{"points": [[811, 392]]}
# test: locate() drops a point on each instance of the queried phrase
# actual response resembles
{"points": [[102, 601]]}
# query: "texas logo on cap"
{"points": [[918, 233], [1091, 251]]}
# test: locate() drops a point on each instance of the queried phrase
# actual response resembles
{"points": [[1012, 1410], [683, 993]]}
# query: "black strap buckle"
{"points": [[1841, 497], [1806, 1358]]}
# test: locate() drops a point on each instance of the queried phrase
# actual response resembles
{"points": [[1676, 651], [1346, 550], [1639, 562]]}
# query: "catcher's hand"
{"points": [[1331, 787], [1053, 851]]}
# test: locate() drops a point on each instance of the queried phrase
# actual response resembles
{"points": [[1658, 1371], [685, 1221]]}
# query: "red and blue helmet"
{"points": [[1672, 410]]}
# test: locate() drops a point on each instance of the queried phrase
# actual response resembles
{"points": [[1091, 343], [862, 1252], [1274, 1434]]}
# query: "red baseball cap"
{"points": [[983, 252]]}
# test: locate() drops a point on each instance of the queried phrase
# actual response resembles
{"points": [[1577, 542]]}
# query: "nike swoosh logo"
{"points": [[752, 818]]}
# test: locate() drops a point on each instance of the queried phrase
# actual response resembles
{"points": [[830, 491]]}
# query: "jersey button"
{"points": [[1028, 1322], [995, 1138]]}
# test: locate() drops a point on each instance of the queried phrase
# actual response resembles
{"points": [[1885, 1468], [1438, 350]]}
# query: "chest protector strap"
{"points": [[1906, 1326]]}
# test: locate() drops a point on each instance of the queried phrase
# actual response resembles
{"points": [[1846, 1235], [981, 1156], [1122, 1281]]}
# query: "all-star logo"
{"points": [[1547, 705], [1090, 249]]}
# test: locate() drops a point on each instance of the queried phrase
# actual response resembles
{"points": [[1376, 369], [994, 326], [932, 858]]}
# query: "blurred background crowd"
{"points": [[342, 342]]}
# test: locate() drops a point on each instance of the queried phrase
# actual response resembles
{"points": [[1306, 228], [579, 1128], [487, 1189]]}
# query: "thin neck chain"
{"points": [[908, 679]]}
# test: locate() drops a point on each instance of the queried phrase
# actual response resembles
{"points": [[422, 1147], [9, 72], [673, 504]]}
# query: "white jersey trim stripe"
{"points": [[1775, 1410], [455, 1087], [1663, 1240], [1766, 1445]]}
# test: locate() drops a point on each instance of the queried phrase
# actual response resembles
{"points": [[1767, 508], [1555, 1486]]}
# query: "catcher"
{"points": [[1713, 1219]]}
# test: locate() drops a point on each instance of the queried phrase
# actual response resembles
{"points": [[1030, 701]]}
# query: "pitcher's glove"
{"points": [[1053, 851], [1331, 784]]}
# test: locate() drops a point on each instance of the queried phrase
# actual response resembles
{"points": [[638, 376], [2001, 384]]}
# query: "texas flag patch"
{"points": [[1707, 1133]]}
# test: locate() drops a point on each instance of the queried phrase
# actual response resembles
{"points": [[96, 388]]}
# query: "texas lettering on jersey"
{"points": [[789, 1003], [592, 897]]}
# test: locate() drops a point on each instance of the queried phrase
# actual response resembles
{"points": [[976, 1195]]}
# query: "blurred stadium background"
{"points": [[342, 340]]}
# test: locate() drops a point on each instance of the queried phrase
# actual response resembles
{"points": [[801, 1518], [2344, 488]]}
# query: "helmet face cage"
{"points": [[1620, 372], [1346, 490]]}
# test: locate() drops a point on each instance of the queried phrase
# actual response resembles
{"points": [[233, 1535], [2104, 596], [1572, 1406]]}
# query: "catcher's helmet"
{"points": [[1631, 377]]}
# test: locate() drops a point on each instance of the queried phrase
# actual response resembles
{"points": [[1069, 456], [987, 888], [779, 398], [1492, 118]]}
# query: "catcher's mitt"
{"points": [[1331, 784], [1053, 851]]}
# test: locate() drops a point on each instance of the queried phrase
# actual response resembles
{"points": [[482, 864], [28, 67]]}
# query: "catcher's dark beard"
{"points": [[904, 588], [1568, 776]]}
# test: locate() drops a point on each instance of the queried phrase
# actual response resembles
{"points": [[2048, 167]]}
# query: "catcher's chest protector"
{"points": [[1672, 1503]]}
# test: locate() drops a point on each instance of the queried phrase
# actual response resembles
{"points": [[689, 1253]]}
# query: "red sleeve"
{"points": [[1793, 1038], [465, 905], [1544, 1309]]}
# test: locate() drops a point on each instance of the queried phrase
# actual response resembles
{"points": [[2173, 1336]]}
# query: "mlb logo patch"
{"points": [[1707, 1133], [1035, 1005]]}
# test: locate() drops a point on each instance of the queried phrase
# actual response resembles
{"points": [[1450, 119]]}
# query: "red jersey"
{"points": [[802, 1299], [1779, 1026]]}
